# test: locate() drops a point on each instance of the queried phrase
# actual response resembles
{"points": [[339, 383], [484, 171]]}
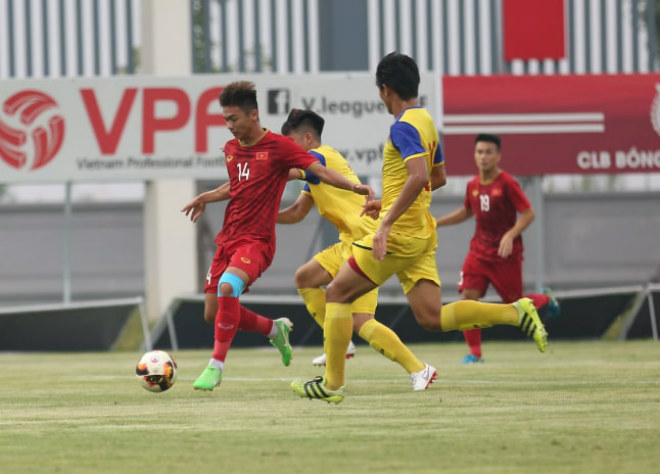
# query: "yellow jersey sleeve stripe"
{"points": [[416, 155]]}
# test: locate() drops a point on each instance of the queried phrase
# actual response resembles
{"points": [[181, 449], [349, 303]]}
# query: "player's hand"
{"points": [[380, 242], [372, 208], [194, 209], [364, 190], [506, 246]]}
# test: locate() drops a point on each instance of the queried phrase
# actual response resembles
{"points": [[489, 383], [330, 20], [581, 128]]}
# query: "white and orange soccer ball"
{"points": [[156, 371]]}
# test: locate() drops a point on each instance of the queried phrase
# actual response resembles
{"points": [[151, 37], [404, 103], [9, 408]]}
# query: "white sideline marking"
{"points": [[355, 380]]}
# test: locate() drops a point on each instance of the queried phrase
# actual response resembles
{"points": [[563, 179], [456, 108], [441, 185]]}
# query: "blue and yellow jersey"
{"points": [[412, 135], [339, 206]]}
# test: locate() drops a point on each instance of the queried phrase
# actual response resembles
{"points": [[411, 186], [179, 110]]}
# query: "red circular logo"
{"points": [[31, 131]]}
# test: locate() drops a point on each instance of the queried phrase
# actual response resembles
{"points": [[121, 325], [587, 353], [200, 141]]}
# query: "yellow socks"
{"points": [[385, 341], [314, 299], [337, 332], [467, 314]]}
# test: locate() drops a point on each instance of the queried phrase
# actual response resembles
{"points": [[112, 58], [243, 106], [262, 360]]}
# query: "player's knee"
{"points": [[335, 294], [225, 289], [428, 320], [230, 285], [300, 279]]}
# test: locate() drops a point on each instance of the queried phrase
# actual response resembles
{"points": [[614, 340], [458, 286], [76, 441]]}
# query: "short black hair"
{"points": [[487, 137], [303, 119], [400, 73], [241, 94]]}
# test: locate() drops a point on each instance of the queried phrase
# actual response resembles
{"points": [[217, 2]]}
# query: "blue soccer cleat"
{"points": [[553, 308], [472, 359]]}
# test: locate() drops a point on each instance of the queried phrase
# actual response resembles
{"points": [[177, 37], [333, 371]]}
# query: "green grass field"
{"points": [[584, 407]]}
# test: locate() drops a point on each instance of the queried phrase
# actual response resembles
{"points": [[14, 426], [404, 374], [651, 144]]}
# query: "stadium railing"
{"points": [[615, 312], [81, 326]]}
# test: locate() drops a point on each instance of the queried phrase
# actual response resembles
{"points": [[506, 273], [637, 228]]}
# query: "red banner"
{"points": [[533, 30], [555, 124]]}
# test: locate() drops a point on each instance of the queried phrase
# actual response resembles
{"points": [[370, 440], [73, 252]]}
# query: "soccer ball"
{"points": [[156, 371]]}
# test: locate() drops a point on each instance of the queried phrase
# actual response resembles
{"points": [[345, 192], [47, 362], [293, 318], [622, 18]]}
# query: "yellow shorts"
{"points": [[331, 259], [409, 258]]}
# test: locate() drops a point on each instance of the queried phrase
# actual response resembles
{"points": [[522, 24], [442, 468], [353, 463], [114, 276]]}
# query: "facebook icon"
{"points": [[278, 101]]}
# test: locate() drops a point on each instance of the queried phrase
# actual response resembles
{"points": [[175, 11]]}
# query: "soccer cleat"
{"points": [[315, 389], [322, 359], [210, 378], [422, 379], [281, 340], [530, 323], [554, 308], [471, 359]]}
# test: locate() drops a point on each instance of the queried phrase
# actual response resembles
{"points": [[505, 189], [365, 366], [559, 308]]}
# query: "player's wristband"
{"points": [[302, 172]]}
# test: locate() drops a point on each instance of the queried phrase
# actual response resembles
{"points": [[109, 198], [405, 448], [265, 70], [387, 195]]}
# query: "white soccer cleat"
{"points": [[422, 379], [322, 359]]}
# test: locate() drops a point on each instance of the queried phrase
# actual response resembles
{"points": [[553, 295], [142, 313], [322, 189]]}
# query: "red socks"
{"points": [[473, 339], [226, 324], [231, 317], [253, 322], [540, 299]]}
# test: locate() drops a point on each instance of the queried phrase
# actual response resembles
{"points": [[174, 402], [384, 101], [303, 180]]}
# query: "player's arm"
{"points": [[438, 177], [418, 179], [506, 243], [331, 177], [456, 217], [295, 173], [297, 211], [195, 208]]}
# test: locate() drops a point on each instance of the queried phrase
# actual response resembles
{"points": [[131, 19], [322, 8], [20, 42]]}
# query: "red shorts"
{"points": [[505, 275], [253, 257]]}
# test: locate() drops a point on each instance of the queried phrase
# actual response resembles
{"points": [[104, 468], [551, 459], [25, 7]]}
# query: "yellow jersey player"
{"points": [[404, 244], [344, 211]]}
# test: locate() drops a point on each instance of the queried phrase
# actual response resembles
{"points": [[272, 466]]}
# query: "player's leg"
{"points": [[381, 338], [216, 268], [277, 331], [386, 342], [421, 285], [309, 279], [465, 314], [473, 285], [349, 284], [472, 336], [230, 286], [252, 259], [210, 306], [425, 301], [344, 288], [359, 275]]}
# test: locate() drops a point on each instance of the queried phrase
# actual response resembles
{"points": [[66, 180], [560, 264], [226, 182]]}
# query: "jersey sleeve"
{"points": [[438, 157], [293, 155], [466, 201], [406, 140], [310, 177], [516, 195]]}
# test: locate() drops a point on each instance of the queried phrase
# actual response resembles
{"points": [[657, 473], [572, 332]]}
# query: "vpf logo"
{"points": [[31, 131], [655, 110]]}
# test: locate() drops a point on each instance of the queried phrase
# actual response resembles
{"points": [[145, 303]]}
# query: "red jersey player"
{"points": [[495, 257], [258, 163]]}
